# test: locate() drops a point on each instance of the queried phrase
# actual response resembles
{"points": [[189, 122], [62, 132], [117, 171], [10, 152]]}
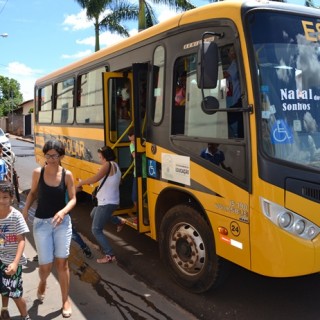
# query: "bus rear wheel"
{"points": [[188, 250]]}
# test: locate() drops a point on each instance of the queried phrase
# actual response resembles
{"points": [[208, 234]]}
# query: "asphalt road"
{"points": [[243, 296]]}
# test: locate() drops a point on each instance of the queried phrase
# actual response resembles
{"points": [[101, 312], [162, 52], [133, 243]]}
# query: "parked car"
{"points": [[4, 140]]}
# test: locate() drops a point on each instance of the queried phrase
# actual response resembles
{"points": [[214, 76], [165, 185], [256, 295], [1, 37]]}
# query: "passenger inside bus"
{"points": [[180, 97], [215, 156], [232, 76], [125, 101], [178, 111], [235, 119], [133, 153]]}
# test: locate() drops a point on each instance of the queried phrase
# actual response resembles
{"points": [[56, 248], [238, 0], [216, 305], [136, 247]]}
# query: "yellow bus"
{"points": [[225, 104]]}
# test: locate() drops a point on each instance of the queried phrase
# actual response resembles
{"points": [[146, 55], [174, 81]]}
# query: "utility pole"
{"points": [[11, 105]]}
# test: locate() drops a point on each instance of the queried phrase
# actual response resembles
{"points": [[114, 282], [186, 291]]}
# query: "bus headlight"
{"points": [[285, 219], [288, 220], [311, 232], [299, 226]]}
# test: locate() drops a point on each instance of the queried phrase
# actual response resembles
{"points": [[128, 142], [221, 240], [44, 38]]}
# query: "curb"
{"points": [[24, 139]]}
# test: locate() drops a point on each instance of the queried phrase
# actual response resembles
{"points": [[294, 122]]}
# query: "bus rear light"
{"points": [[289, 220]]}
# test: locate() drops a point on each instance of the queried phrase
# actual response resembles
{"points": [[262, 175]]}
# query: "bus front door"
{"points": [[119, 113]]}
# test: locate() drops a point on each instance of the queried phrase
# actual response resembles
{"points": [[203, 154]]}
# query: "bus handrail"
{"points": [[127, 171], [125, 132]]}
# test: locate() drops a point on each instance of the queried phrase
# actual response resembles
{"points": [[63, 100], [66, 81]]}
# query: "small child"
{"points": [[12, 244], [84, 247], [3, 166], [132, 146]]}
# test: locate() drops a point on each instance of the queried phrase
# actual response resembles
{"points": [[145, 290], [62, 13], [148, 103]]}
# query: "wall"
{"points": [[3, 124]]}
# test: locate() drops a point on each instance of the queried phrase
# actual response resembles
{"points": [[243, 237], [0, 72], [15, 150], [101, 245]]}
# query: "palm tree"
{"points": [[309, 3], [147, 17], [119, 11]]}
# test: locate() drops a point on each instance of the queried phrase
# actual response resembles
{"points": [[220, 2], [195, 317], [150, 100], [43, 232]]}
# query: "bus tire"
{"points": [[187, 248]]}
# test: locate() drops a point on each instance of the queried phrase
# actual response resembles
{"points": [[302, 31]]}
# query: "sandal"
{"points": [[41, 296], [107, 259], [66, 313], [121, 225]]}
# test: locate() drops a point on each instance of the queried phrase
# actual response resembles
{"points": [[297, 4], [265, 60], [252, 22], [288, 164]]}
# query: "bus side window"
{"points": [[89, 99], [156, 109], [45, 104], [64, 112]]}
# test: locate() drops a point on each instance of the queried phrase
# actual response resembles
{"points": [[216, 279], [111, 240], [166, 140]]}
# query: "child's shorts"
{"points": [[11, 285]]}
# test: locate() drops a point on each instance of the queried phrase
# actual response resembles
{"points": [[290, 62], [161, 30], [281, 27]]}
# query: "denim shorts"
{"points": [[52, 242]]}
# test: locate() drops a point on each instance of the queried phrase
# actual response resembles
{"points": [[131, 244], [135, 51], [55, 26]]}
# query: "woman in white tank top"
{"points": [[108, 200], [109, 192]]}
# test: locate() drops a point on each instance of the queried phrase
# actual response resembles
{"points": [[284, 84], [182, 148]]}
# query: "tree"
{"points": [[146, 14], [121, 10], [309, 3], [10, 95], [118, 11]]}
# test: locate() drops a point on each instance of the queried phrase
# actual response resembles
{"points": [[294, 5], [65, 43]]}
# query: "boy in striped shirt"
{"points": [[12, 244]]}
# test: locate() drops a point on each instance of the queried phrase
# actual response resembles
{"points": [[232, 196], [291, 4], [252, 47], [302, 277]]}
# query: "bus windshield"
{"points": [[287, 58]]}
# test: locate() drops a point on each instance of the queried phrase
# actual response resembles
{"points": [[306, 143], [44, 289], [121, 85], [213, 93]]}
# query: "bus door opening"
{"points": [[118, 115], [121, 96]]}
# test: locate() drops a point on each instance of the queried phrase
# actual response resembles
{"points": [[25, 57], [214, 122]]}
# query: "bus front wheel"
{"points": [[188, 250]]}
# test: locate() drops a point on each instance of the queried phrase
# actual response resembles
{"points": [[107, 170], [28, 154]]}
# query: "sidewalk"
{"points": [[97, 292], [23, 138]]}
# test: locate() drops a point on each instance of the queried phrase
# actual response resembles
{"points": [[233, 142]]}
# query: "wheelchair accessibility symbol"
{"points": [[281, 133], [152, 166]]}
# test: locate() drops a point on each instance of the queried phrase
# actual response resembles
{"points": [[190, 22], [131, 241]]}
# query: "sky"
{"points": [[45, 35]]}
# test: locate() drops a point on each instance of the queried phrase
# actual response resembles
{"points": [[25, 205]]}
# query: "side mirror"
{"points": [[209, 105], [207, 66]]}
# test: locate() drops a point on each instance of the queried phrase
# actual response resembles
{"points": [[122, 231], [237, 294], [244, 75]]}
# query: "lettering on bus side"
{"points": [[73, 147], [311, 30], [237, 208], [76, 148], [196, 43]]}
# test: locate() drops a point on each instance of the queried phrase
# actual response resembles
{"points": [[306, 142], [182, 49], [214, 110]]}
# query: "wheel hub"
{"points": [[187, 249]]}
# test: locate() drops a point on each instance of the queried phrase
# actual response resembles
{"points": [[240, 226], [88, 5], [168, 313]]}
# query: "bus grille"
{"points": [[306, 189], [311, 193]]}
